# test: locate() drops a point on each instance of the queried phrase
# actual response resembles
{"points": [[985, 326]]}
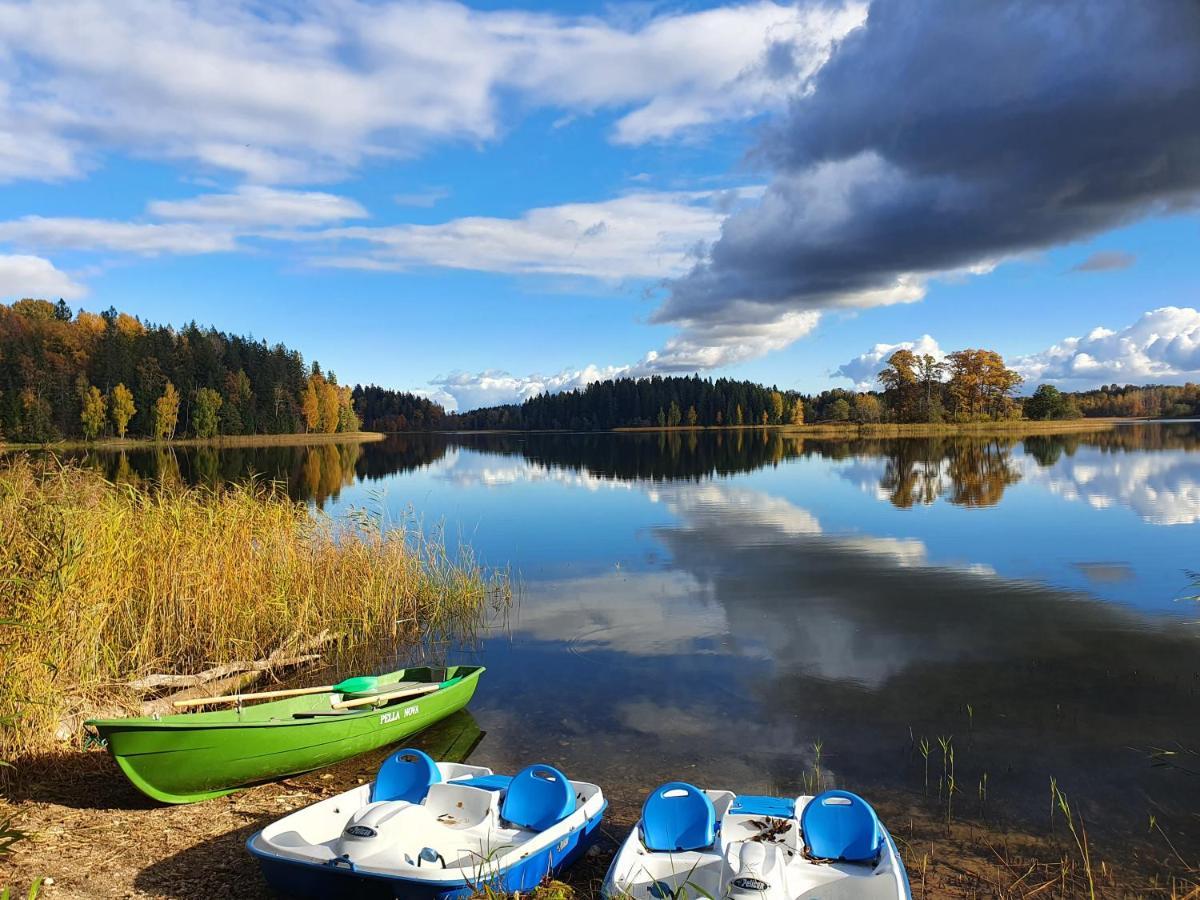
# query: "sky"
{"points": [[480, 202]]}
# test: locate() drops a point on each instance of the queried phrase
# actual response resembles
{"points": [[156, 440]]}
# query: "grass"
{"points": [[101, 583]]}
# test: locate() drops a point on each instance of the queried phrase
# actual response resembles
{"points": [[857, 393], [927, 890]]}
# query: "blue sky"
{"points": [[484, 201]]}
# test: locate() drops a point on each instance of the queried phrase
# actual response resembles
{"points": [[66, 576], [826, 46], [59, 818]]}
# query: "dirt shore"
{"points": [[95, 836]]}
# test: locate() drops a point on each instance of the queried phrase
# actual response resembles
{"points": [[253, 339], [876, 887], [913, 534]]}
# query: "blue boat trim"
{"points": [[488, 782], [756, 805], [336, 878]]}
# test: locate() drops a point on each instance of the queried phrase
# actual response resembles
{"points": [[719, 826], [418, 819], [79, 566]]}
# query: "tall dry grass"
{"points": [[101, 582]]}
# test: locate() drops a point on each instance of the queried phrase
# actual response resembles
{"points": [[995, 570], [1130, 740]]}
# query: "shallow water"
{"points": [[714, 607]]}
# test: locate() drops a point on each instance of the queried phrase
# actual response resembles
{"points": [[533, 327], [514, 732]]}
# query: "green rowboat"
{"points": [[195, 756]]}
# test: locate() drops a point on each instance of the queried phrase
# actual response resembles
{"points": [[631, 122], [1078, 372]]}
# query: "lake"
{"points": [[743, 609]]}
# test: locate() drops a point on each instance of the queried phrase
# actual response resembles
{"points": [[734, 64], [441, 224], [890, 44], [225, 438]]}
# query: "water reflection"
{"points": [[317, 473], [1151, 469], [709, 605], [767, 633]]}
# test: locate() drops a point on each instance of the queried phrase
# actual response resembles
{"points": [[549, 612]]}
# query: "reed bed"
{"points": [[101, 583]]}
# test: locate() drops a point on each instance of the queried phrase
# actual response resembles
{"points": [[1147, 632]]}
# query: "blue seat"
{"points": [[405, 775], [678, 817], [841, 826], [538, 797]]}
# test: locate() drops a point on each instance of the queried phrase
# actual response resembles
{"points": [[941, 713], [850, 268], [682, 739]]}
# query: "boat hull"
{"points": [[294, 878], [197, 756]]}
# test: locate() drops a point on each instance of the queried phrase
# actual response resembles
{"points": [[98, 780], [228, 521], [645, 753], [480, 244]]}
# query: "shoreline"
{"points": [[220, 441], [908, 429], [87, 812]]}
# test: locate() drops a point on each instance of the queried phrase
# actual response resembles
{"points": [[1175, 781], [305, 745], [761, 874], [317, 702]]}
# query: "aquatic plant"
{"points": [[1078, 834], [101, 582]]}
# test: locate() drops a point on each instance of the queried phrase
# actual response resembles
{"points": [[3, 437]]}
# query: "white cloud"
{"points": [[638, 235], [1163, 345], [106, 234], [255, 206], [313, 91], [864, 368], [32, 276], [427, 198], [466, 390]]}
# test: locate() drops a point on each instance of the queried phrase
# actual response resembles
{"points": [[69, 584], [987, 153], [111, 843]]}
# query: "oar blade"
{"points": [[357, 685]]}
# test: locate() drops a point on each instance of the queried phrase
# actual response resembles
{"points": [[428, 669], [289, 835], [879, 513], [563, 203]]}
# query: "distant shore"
{"points": [[915, 429], [220, 441]]}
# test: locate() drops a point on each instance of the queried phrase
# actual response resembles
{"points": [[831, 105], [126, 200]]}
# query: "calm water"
{"points": [[711, 606]]}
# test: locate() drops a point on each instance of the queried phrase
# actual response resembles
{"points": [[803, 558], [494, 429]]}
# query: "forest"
{"points": [[69, 375]]}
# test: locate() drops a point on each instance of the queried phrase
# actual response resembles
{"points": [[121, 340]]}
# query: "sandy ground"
{"points": [[96, 836]]}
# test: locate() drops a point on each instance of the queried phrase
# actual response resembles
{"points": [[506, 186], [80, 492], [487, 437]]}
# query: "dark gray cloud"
{"points": [[943, 135], [1105, 261]]}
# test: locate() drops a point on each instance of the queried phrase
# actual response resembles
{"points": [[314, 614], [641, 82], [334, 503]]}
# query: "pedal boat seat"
{"points": [[538, 797], [839, 826], [405, 775], [678, 817]]}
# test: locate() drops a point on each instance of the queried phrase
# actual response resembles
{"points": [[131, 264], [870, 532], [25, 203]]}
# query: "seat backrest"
{"points": [[839, 825], [677, 817], [405, 775], [538, 797]]}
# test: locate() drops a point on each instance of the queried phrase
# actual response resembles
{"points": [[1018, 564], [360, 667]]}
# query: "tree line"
{"points": [[658, 401], [69, 375]]}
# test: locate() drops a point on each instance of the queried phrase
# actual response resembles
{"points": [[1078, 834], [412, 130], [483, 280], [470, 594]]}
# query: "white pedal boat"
{"points": [[691, 843], [432, 830]]}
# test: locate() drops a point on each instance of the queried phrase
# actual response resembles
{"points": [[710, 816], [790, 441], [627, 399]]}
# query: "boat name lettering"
{"points": [[361, 831], [387, 717]]}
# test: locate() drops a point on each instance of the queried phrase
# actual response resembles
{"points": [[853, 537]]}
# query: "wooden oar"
{"points": [[356, 685], [389, 696]]}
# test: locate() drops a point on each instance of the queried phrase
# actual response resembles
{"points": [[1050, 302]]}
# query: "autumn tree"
{"points": [[929, 374], [121, 407], [204, 412], [899, 380], [980, 384], [797, 413], [94, 412], [840, 410], [867, 409], [348, 420], [166, 413], [777, 405], [692, 417], [330, 405], [310, 402]]}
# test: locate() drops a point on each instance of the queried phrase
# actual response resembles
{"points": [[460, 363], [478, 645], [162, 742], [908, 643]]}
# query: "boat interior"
{"points": [[313, 706], [420, 815], [721, 844]]}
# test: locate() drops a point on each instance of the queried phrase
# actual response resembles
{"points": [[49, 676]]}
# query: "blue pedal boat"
{"points": [[428, 831], [695, 843]]}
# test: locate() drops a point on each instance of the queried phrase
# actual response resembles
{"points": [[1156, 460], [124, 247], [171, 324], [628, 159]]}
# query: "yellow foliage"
{"points": [[102, 582]]}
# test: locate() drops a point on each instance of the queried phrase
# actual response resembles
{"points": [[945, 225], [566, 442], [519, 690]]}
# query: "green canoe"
{"points": [[194, 756]]}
